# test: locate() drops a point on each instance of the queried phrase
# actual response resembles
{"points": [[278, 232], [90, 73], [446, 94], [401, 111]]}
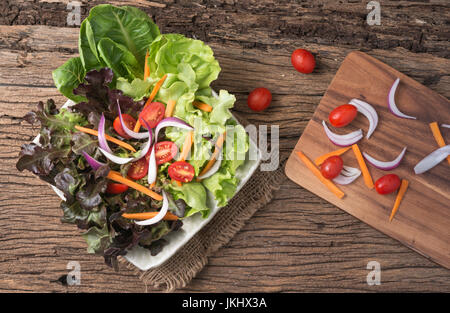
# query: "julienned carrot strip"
{"points": [[179, 184], [328, 183], [169, 108], [322, 158], [150, 99], [202, 106], [187, 146], [215, 155], [146, 67], [109, 138], [147, 215], [362, 165], [400, 194], [438, 136], [117, 177]]}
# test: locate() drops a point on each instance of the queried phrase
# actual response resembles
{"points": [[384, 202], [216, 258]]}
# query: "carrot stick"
{"points": [[438, 136], [177, 182], [215, 155], [150, 99], [117, 177], [146, 67], [328, 183], [147, 215], [169, 108], [362, 165], [322, 158], [202, 106], [187, 146], [109, 138], [400, 194]]}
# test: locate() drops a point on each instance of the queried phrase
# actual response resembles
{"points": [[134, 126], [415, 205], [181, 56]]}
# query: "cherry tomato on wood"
{"points": [[303, 61], [129, 122], [387, 184], [165, 151], [331, 167], [138, 169], [259, 99], [343, 115], [181, 171], [115, 188], [152, 114]]}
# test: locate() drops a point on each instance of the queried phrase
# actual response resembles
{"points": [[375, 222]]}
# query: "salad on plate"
{"points": [[143, 140]]}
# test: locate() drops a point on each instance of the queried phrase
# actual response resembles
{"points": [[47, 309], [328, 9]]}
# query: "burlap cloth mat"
{"points": [[188, 261]]}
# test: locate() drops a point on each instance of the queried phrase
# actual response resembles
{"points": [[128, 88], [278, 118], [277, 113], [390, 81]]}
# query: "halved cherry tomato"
{"points": [[181, 171], [259, 99], [331, 167], [129, 122], [387, 184], [343, 115], [303, 61], [152, 114], [115, 188], [138, 169], [165, 151]]}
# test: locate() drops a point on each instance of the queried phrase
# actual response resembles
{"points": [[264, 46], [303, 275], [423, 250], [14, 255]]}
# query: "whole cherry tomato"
{"points": [[129, 122], [331, 167], [387, 184], [343, 115], [303, 61], [259, 99]]}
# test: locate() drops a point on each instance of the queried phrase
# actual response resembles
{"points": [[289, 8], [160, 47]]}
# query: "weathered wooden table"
{"points": [[298, 242]]}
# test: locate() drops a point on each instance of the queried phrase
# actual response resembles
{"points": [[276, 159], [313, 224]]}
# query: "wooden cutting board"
{"points": [[423, 219]]}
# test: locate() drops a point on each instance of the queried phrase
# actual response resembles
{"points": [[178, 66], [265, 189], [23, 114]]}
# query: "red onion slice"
{"points": [[213, 169], [445, 125], [343, 140], [433, 159], [385, 166], [128, 131], [92, 162], [391, 102], [158, 217], [152, 167], [347, 175], [137, 156], [171, 121], [101, 135], [368, 111]]}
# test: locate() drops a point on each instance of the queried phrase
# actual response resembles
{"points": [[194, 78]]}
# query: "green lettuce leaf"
{"points": [[223, 183], [170, 50], [194, 194], [221, 106], [126, 26], [68, 76], [97, 239]]}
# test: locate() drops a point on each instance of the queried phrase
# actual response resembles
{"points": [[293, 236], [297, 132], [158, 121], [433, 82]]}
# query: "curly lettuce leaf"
{"points": [[170, 50], [223, 183]]}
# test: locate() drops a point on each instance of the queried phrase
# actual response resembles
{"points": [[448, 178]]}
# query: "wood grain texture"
{"points": [[423, 222], [299, 242]]}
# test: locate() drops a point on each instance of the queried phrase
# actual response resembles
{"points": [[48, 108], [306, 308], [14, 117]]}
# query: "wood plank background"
{"points": [[298, 242]]}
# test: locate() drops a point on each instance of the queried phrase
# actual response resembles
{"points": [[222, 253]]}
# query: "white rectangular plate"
{"points": [[141, 257]]}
